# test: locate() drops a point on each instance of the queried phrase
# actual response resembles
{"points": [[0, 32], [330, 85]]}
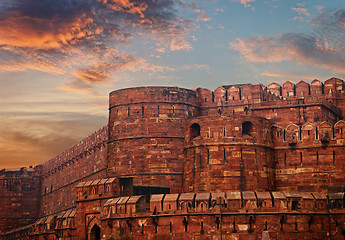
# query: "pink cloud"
{"points": [[301, 11], [282, 76], [245, 3], [325, 48], [202, 15]]}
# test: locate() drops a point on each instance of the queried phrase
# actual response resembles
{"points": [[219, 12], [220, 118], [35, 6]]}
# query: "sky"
{"points": [[59, 60]]}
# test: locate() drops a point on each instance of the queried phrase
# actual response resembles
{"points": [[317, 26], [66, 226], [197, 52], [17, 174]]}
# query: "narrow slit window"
{"points": [[200, 159], [224, 156]]}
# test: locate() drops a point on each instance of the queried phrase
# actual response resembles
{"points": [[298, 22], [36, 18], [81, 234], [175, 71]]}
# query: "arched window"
{"points": [[247, 128], [194, 130]]}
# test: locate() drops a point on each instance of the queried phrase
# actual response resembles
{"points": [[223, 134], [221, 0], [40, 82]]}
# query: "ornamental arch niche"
{"points": [[308, 132], [325, 131]]}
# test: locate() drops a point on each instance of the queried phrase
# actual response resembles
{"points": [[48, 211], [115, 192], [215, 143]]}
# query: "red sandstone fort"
{"points": [[240, 162]]}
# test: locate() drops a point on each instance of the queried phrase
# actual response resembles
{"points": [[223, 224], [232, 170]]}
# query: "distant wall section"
{"points": [[84, 161], [19, 197]]}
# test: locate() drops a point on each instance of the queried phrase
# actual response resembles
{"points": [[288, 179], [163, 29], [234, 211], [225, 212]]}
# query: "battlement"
{"points": [[249, 93], [198, 214], [231, 202]]}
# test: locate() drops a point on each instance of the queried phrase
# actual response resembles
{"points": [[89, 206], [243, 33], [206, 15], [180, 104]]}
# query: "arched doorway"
{"points": [[95, 233]]}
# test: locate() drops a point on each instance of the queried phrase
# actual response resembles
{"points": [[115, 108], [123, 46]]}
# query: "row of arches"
{"points": [[309, 131]]}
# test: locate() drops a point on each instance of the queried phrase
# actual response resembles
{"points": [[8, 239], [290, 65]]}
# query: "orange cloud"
{"points": [[126, 6], [38, 140], [36, 33], [59, 36]]}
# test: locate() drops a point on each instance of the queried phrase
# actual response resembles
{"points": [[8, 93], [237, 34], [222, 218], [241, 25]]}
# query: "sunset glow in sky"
{"points": [[59, 59]]}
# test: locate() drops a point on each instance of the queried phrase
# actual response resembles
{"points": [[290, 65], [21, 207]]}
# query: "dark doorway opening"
{"points": [[95, 233], [194, 130], [247, 128]]}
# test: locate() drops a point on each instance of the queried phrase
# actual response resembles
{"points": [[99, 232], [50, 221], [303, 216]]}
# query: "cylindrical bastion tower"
{"points": [[228, 153], [146, 134]]}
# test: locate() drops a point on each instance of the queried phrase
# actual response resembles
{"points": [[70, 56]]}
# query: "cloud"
{"points": [[40, 139], [86, 78], [143, 65], [202, 15], [83, 38], [245, 3], [323, 48], [281, 76], [319, 8], [301, 12], [196, 67]]}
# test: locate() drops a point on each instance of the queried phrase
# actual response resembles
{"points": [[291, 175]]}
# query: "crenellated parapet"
{"points": [[242, 202], [232, 214], [100, 188], [260, 100]]}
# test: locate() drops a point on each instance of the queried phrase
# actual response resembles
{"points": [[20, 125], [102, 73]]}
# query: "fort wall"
{"points": [[84, 161], [243, 141]]}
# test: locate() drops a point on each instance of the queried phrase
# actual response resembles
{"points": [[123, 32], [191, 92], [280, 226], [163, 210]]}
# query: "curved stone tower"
{"points": [[146, 134], [228, 153]]}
